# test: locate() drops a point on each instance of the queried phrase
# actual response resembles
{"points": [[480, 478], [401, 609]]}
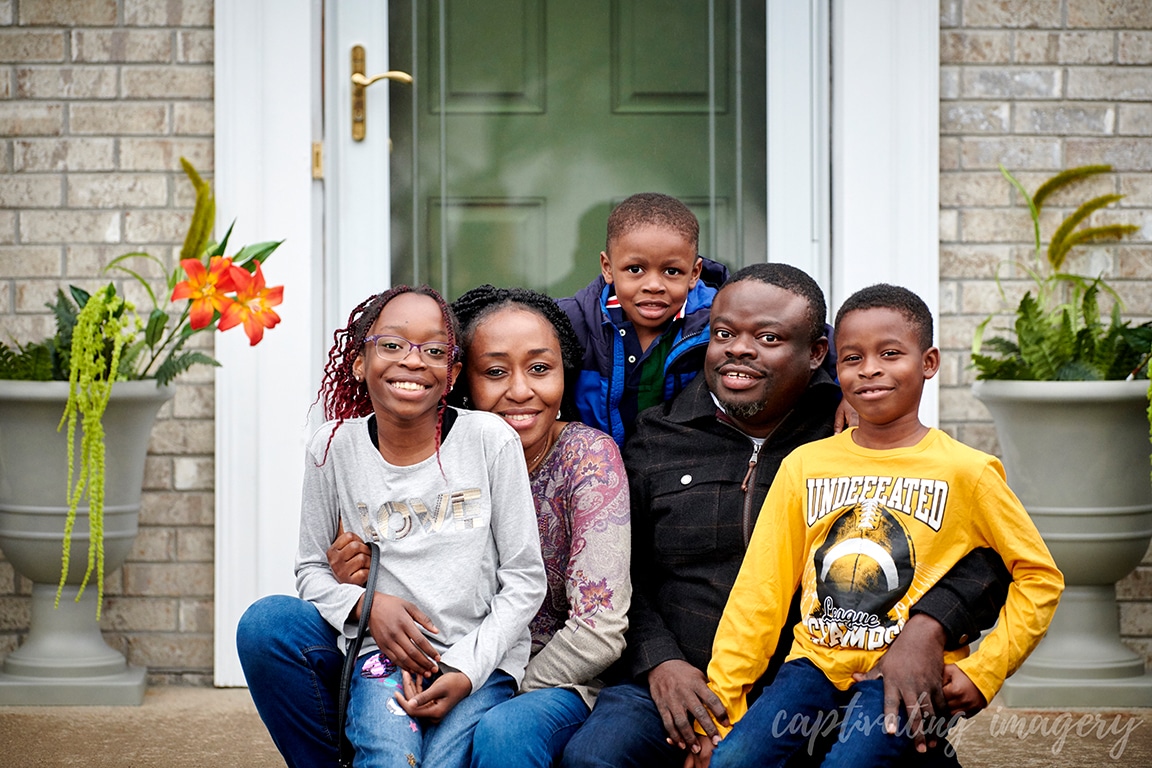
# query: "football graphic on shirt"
{"points": [[867, 561]]}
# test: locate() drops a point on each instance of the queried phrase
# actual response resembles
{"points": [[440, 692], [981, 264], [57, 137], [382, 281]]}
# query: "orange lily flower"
{"points": [[253, 304], [206, 288]]}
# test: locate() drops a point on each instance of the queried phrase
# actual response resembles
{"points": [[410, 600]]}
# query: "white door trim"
{"points": [[884, 168]]}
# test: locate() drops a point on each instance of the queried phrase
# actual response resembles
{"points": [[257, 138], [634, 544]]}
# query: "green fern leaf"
{"points": [[175, 365]]}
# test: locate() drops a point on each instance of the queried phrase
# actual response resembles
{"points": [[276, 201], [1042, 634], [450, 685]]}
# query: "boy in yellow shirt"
{"points": [[865, 522]]}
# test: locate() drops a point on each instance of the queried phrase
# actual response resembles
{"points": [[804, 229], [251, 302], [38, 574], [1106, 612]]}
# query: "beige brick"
{"points": [[171, 579], [25, 328], [149, 13], [1134, 47], [950, 13], [32, 295], [961, 405], [948, 225], [197, 615], [94, 154], [1070, 196], [183, 436], [1064, 118], [66, 83], [1136, 619], [968, 189], [134, 614], [195, 402], [1121, 154], [121, 45], [949, 153], [118, 190], [1010, 83], [154, 544], [5, 84], [164, 154], [162, 226], [194, 46], [1013, 152], [195, 545], [7, 227], [1065, 47], [193, 473], [171, 650], [1132, 261], [177, 508], [1110, 14], [172, 82], [949, 83], [972, 261], [1138, 188], [28, 119], [27, 46], [1097, 83], [974, 117], [965, 47], [7, 578], [63, 226], [90, 261], [995, 225], [30, 261], [1019, 13], [1135, 120], [193, 118], [6, 15], [119, 118], [157, 476], [15, 612], [30, 191], [72, 13]]}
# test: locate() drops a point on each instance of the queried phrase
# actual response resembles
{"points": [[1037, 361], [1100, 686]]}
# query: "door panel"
{"points": [[534, 118]]}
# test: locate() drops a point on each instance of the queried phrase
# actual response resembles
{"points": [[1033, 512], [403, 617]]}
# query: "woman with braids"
{"points": [[446, 495], [521, 357]]}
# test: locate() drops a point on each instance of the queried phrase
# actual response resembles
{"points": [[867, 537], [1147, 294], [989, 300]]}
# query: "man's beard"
{"points": [[742, 411]]}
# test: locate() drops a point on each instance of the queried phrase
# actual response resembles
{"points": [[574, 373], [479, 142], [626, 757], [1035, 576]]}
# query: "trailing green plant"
{"points": [[1059, 332], [100, 340]]}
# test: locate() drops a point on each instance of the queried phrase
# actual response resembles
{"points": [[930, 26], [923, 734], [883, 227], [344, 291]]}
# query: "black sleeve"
{"points": [[969, 597]]}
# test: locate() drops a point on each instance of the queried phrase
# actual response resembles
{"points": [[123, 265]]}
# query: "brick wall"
{"points": [[1039, 85], [98, 101]]}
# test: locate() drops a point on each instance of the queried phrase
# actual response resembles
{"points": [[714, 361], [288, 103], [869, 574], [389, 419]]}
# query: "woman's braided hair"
{"points": [[476, 305], [346, 398]]}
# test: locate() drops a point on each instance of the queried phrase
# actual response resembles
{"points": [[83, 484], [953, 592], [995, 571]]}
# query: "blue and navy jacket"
{"points": [[602, 387]]}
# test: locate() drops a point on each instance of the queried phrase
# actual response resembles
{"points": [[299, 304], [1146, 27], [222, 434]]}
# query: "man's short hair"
{"points": [[904, 301], [652, 209], [793, 280]]}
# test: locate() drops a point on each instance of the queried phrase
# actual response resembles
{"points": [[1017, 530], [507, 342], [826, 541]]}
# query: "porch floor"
{"points": [[180, 727]]}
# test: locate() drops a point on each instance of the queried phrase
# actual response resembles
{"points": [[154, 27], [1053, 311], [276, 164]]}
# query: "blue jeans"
{"points": [[529, 730], [292, 665], [623, 731], [803, 712], [384, 736]]}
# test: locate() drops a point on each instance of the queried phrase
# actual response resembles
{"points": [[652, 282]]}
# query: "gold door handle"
{"points": [[359, 83]]}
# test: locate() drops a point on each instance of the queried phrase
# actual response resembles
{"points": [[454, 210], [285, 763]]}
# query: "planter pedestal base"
{"points": [[1081, 661], [65, 660]]}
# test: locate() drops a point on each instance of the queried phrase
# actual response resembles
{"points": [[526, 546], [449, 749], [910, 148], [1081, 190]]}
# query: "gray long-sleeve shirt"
{"points": [[462, 546]]}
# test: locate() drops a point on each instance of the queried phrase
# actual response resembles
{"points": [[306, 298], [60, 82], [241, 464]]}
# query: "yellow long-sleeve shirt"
{"points": [[866, 533]]}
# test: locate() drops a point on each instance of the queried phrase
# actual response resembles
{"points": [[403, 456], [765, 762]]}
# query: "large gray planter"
{"points": [[1077, 455], [65, 660]]}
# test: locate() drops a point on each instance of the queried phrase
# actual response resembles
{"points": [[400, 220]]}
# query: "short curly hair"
{"points": [[652, 209], [904, 301], [474, 306], [793, 280]]}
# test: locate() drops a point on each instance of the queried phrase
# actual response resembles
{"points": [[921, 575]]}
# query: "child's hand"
{"points": [[349, 557], [437, 701], [395, 625], [701, 755], [962, 694], [845, 417]]}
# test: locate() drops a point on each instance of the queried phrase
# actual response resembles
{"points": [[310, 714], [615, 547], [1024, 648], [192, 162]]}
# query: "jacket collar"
{"points": [[695, 402]]}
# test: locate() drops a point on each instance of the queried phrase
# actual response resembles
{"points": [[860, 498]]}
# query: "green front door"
{"points": [[528, 120]]}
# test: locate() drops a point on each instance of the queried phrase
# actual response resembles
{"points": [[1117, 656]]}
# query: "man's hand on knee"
{"points": [[681, 694], [913, 673]]}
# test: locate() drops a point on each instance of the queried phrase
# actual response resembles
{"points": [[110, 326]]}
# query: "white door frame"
{"points": [[884, 216]]}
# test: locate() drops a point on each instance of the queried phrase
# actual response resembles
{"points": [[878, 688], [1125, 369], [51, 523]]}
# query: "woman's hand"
{"points": [[395, 625], [349, 558], [437, 701]]}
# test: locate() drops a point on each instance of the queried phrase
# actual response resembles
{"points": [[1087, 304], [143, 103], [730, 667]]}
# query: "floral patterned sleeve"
{"points": [[581, 495]]}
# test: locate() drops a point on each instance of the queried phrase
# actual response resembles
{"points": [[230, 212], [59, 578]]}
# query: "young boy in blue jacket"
{"points": [[643, 322]]}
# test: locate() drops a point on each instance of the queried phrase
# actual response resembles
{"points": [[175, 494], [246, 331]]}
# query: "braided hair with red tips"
{"points": [[346, 398]]}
